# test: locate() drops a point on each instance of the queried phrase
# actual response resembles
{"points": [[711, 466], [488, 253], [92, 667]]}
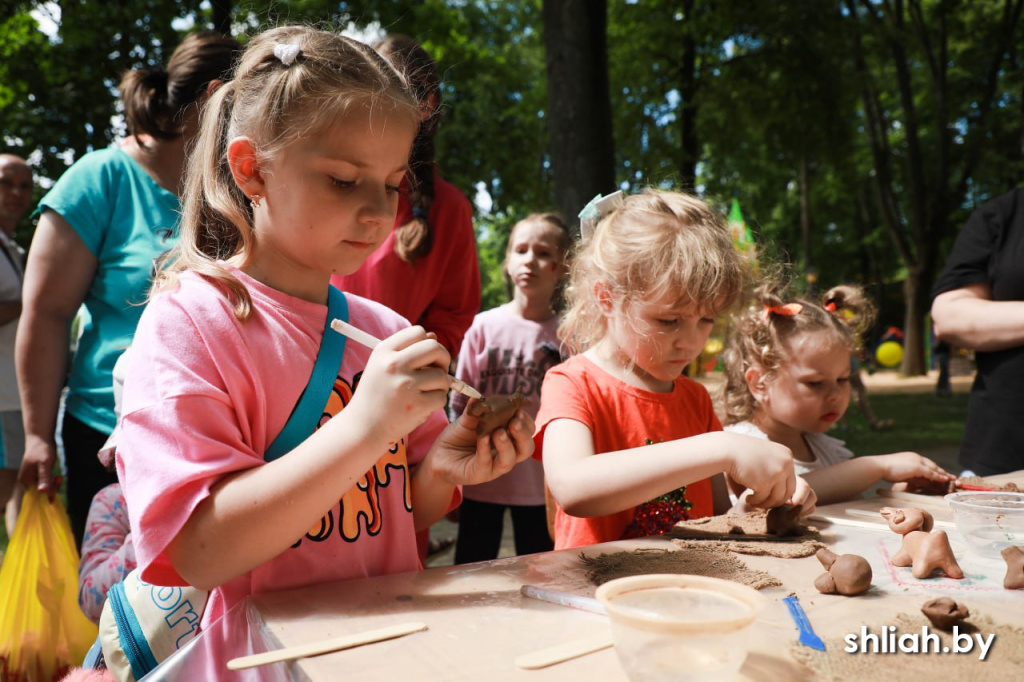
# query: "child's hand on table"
{"points": [[911, 468]]}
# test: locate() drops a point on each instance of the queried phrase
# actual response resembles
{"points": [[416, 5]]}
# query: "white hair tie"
{"points": [[287, 52], [599, 207]]}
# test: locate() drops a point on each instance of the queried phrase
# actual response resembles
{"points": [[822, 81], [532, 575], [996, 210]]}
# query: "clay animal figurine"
{"points": [[782, 521], [497, 410], [944, 613], [847, 574], [903, 521], [926, 552], [1014, 557]]}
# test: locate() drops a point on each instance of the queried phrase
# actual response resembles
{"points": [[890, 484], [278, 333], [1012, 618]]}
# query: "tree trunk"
{"points": [[916, 295], [221, 16], [579, 109]]}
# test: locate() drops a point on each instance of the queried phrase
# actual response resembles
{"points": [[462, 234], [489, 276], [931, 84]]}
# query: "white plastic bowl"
{"points": [[989, 521], [680, 627]]}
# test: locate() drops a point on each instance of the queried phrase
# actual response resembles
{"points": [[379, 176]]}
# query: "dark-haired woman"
{"points": [[100, 229]]}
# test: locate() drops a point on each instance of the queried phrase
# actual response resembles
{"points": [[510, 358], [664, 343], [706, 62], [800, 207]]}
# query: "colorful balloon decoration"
{"points": [[889, 354]]}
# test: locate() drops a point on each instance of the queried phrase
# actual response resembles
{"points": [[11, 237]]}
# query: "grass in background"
{"points": [[923, 423]]}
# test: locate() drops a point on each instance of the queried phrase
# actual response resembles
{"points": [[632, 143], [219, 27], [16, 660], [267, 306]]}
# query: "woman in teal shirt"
{"points": [[101, 227]]}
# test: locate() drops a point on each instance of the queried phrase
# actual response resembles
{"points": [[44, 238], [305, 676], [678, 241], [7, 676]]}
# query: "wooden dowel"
{"points": [[325, 646]]}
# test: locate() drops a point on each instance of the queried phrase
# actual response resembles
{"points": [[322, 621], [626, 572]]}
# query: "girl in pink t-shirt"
{"points": [[507, 349], [295, 177], [629, 445]]}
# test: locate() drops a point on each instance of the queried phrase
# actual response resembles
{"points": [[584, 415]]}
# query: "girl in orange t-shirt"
{"points": [[629, 445]]}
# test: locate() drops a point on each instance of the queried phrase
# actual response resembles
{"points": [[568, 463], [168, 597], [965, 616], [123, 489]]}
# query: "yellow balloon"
{"points": [[889, 354]]}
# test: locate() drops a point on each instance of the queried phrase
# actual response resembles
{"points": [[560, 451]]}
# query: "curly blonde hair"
{"points": [[274, 104], [760, 334], [655, 245]]}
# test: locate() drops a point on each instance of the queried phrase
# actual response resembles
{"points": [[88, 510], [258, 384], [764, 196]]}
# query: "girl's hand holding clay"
{"points": [[406, 379], [803, 497], [910, 466], [766, 468], [461, 456]]}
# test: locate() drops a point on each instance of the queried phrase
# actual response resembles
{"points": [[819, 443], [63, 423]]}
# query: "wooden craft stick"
{"points": [[361, 337], [325, 646], [565, 651]]}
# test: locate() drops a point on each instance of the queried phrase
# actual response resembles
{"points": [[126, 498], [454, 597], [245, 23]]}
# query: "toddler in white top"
{"points": [[788, 380]]}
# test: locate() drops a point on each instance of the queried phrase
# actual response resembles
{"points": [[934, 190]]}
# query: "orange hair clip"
{"points": [[786, 310]]}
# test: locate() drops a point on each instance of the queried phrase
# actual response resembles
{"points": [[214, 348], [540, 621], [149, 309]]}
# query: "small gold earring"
{"points": [[254, 200]]}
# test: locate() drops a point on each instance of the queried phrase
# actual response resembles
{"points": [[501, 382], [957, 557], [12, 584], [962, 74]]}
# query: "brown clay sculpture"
{"points": [[497, 411], [1014, 557], [847, 574], [926, 552], [782, 521], [944, 613], [903, 521]]}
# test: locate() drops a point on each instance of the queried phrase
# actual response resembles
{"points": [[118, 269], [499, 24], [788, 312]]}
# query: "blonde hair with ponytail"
{"points": [[274, 104]]}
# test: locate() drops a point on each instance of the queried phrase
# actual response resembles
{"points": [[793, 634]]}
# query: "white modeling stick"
{"points": [[573, 601], [361, 337], [326, 646]]}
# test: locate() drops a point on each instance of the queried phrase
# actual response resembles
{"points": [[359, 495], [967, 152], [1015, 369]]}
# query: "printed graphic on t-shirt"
{"points": [[660, 515], [504, 372], [360, 509]]}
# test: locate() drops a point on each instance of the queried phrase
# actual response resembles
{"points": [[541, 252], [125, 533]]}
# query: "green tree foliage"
{"points": [[491, 60], [857, 134], [933, 77], [58, 96]]}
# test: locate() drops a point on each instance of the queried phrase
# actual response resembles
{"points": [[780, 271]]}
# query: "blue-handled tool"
{"points": [[807, 634]]}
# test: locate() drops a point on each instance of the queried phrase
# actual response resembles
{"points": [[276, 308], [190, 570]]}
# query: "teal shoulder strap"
{"points": [[310, 408]]}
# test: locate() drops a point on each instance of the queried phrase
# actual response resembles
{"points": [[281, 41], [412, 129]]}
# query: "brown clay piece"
{"points": [[944, 613], [847, 574], [926, 552], [926, 486], [1014, 557], [497, 411], [903, 520], [782, 521]]}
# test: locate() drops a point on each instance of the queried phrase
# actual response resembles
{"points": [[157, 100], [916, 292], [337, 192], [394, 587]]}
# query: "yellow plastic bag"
{"points": [[43, 632]]}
